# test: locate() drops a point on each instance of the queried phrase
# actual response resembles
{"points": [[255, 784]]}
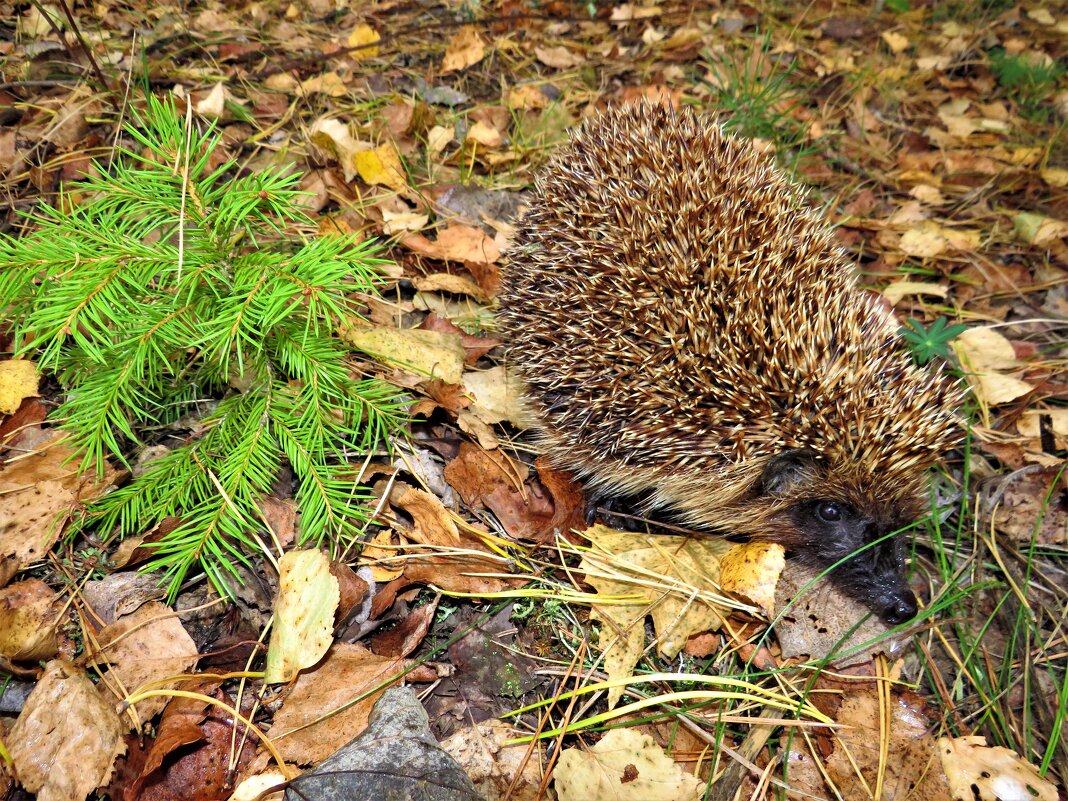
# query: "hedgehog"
{"points": [[687, 331]]}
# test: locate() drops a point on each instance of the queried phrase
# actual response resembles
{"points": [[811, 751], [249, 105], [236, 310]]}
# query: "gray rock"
{"points": [[395, 759]]}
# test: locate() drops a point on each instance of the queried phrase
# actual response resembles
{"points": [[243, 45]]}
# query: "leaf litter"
{"points": [[932, 130]]}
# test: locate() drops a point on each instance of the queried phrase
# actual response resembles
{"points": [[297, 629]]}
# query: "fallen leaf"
{"points": [[381, 165], [429, 353], [213, 106], [308, 595], [899, 289], [895, 41], [332, 137], [682, 597], [497, 769], [752, 571], [1034, 229], [66, 738], [464, 49], [18, 381], [29, 615], [498, 396], [623, 766], [559, 57], [484, 134], [985, 356], [360, 42], [991, 772]]}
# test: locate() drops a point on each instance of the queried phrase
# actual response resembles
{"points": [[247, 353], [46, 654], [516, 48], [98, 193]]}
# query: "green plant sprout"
{"points": [[169, 286], [927, 343]]}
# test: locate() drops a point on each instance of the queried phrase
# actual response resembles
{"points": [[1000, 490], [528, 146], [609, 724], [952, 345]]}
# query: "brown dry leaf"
{"points": [[381, 166], [674, 579], [752, 571], [18, 381], [492, 480], [213, 105], [991, 773], [363, 38], [1025, 509], [346, 673], [913, 769], [559, 57], [148, 645], [432, 522], [898, 290], [37, 493], [406, 636], [623, 766], [28, 619], [458, 242], [438, 138], [498, 770], [380, 548], [484, 134], [67, 736], [986, 357], [447, 282], [428, 353], [464, 49], [308, 595], [528, 97]]}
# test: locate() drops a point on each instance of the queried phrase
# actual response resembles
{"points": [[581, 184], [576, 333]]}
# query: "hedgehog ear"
{"points": [[787, 470]]}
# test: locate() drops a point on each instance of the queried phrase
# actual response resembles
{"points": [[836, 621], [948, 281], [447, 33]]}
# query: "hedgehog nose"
{"points": [[900, 609]]}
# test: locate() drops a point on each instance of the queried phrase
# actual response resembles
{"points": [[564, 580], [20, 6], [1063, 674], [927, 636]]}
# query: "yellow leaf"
{"points": [[672, 579], [624, 765], [432, 353], [308, 595], [381, 166], [363, 34], [990, 773], [18, 381], [752, 571]]}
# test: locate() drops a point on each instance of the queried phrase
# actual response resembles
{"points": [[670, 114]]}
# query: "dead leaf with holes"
{"points": [[624, 765], [308, 596], [991, 773]]}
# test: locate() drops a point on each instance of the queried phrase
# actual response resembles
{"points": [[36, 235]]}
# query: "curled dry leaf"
{"points": [[308, 595], [332, 138]]}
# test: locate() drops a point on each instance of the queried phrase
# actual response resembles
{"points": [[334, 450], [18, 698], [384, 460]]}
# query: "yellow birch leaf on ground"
{"points": [[18, 381], [464, 49], [675, 581], [308, 595], [447, 282], [991, 773], [382, 166], [1055, 176], [436, 354], [752, 571], [895, 41], [925, 241], [498, 396], [333, 138], [329, 84], [67, 736], [363, 37], [484, 134], [624, 766], [986, 356]]}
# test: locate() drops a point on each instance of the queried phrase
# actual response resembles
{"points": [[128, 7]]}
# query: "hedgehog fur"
{"points": [[686, 328]]}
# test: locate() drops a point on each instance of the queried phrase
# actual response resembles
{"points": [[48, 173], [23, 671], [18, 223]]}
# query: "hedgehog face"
{"points": [[825, 526]]}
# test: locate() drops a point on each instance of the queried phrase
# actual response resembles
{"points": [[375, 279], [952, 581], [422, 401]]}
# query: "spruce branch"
{"points": [[168, 281]]}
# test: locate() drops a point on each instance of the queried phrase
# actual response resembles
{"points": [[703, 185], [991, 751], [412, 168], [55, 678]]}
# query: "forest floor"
{"points": [[931, 136]]}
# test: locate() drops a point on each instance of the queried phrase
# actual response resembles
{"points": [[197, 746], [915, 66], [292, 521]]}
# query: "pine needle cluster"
{"points": [[168, 286]]}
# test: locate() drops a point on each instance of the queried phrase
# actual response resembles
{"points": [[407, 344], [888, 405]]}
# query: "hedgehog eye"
{"points": [[830, 512]]}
